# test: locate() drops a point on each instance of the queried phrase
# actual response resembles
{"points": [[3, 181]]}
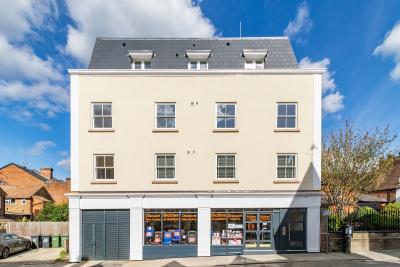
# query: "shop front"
{"points": [[253, 231], [170, 233]]}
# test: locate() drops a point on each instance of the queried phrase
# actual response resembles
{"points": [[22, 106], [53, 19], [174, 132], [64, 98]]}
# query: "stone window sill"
{"points": [[286, 181], [165, 181], [288, 130], [225, 181], [225, 130], [103, 182], [166, 130], [101, 130]]}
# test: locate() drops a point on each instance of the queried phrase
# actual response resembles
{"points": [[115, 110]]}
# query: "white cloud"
{"points": [[328, 83], [39, 147], [126, 18], [332, 102], [332, 99], [65, 163], [391, 47], [301, 24]]}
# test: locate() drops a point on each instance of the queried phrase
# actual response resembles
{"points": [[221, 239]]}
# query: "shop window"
{"points": [[170, 227], [227, 228]]}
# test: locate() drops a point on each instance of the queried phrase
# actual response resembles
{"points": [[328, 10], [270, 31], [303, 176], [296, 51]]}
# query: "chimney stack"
{"points": [[47, 172]]}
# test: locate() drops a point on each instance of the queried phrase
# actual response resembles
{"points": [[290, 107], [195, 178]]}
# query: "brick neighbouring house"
{"points": [[27, 190], [389, 189]]}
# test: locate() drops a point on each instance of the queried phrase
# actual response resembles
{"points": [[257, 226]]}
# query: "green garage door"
{"points": [[105, 234]]}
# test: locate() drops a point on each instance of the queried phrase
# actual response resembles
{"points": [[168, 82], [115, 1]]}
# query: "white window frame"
{"points": [[234, 167], [105, 172], [9, 201], [102, 116], [286, 166], [287, 116], [253, 64], [156, 167], [198, 64], [142, 64], [23, 201], [216, 114], [156, 116]]}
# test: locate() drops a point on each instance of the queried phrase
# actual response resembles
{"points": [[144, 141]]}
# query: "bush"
{"points": [[392, 207], [53, 213], [334, 223], [362, 211]]}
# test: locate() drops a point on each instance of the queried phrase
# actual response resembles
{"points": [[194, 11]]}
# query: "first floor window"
{"points": [[170, 227], [10, 201], [287, 115], [101, 115], [165, 165], [165, 117], [226, 115], [286, 166], [104, 167], [226, 166]]}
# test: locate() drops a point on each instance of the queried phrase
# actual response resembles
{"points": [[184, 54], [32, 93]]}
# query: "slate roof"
{"points": [[226, 53]]}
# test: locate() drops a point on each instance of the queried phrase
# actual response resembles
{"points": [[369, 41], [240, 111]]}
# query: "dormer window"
{"points": [[198, 59], [254, 58], [141, 59]]}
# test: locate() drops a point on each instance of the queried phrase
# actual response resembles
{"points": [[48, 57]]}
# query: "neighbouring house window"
{"points": [[254, 64], [10, 201], [141, 65], [23, 201], [287, 115], [226, 166], [286, 166], [226, 115], [104, 167], [198, 65], [165, 166], [102, 115], [165, 117], [170, 227]]}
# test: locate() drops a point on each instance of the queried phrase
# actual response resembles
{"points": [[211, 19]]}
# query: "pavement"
{"points": [[47, 257]]}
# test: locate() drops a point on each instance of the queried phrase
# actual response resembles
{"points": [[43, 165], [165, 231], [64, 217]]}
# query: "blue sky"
{"points": [[40, 40]]}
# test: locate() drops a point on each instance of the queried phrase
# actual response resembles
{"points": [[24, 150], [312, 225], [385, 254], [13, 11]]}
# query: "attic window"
{"points": [[141, 59], [254, 58], [198, 59]]}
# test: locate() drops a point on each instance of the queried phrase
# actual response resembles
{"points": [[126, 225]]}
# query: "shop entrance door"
{"points": [[290, 229], [258, 230]]}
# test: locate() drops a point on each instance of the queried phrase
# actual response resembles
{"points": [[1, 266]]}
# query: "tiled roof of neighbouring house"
{"points": [[392, 180], [226, 53]]}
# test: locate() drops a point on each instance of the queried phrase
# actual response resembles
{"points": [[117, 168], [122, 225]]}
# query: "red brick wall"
{"points": [[57, 190], [13, 175]]}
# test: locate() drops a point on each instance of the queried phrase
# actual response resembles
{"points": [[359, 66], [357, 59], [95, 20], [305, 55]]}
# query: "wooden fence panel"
{"points": [[28, 229]]}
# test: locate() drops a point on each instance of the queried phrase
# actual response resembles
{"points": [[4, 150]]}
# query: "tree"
{"points": [[53, 213], [354, 162]]}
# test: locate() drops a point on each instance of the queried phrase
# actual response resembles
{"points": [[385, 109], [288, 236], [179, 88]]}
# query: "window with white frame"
{"points": [[165, 166], [226, 166], [141, 65], [287, 115], [165, 115], [101, 115], [198, 65], [254, 64], [286, 168], [23, 201], [10, 201], [226, 115], [104, 167]]}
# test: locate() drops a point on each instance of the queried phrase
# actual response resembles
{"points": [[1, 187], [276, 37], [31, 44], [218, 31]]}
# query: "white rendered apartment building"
{"points": [[194, 147]]}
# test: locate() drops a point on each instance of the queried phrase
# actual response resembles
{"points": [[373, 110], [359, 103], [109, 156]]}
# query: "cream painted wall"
{"points": [[256, 144]]}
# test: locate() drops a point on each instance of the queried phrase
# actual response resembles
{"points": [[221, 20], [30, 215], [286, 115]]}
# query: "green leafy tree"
{"points": [[392, 207], [354, 162], [53, 213]]}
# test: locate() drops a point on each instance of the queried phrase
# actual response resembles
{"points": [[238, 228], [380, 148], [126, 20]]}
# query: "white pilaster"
{"points": [[313, 229], [74, 132], [203, 226], [136, 228], [317, 128], [74, 229]]}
